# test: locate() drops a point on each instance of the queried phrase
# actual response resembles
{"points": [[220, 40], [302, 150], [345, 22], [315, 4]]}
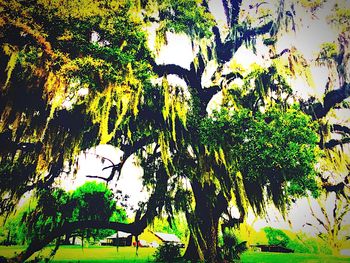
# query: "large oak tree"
{"points": [[81, 73]]}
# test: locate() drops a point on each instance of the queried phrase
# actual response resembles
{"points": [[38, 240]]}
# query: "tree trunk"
{"points": [[8, 239], [203, 224], [66, 239]]}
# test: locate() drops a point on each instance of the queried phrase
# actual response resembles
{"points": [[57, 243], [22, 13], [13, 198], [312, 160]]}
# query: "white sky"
{"points": [[179, 51]]}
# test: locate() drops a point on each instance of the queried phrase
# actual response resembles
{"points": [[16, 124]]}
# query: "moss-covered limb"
{"points": [[232, 43], [35, 35], [232, 9], [333, 143], [155, 202], [167, 69], [319, 110]]}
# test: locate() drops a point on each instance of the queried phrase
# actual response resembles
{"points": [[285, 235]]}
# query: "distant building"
{"points": [[273, 248], [167, 238], [118, 239], [147, 238], [154, 239]]}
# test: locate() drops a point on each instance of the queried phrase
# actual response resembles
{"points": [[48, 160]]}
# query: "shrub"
{"points": [[231, 247], [276, 237], [309, 245], [167, 252]]}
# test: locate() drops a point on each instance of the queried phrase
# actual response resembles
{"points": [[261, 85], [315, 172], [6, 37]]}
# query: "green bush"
{"points": [[309, 245], [231, 247], [167, 252], [276, 237]]}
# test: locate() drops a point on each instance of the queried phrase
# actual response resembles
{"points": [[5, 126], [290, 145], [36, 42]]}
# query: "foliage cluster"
{"points": [[167, 252], [276, 237], [91, 201], [300, 243], [231, 247], [62, 86], [277, 146]]}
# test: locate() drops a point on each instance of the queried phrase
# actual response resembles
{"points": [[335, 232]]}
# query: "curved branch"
{"points": [[332, 98], [167, 69], [117, 168], [332, 143], [286, 50], [68, 227], [135, 228], [36, 36]]}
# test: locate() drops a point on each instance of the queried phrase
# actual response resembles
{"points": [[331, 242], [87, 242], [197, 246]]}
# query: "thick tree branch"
{"points": [[68, 227], [340, 128], [168, 69], [135, 228], [332, 98], [232, 9], [231, 44], [333, 143]]}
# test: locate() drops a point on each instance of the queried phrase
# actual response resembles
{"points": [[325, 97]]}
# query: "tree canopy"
{"points": [[76, 74]]}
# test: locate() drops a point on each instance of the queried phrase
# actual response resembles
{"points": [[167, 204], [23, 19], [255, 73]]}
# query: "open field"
{"points": [[91, 254], [266, 257], [96, 254]]}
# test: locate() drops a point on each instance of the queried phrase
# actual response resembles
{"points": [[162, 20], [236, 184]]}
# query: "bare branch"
{"points": [[316, 217], [128, 151], [286, 50]]}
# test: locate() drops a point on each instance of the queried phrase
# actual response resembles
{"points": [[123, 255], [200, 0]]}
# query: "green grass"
{"points": [[266, 257], [97, 254], [90, 254], [104, 254]]}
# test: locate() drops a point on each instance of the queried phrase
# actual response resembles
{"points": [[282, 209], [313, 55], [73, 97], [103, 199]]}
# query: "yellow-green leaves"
{"points": [[163, 142], [116, 99], [12, 52], [54, 91], [298, 66], [175, 105]]}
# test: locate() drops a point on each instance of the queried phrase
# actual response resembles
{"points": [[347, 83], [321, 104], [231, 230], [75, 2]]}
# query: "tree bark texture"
{"points": [[203, 224]]}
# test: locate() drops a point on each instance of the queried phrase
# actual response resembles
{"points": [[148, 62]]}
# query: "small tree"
{"points": [[90, 202], [276, 237]]}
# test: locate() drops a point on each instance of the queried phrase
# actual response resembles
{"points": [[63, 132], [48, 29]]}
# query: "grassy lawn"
{"points": [[97, 254], [103, 254], [266, 257], [90, 254]]}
